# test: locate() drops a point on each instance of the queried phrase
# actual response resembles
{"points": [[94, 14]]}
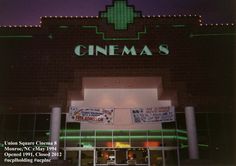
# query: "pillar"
{"points": [[55, 125], [191, 132]]}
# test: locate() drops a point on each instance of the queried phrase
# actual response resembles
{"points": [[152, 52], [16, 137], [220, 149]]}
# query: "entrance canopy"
{"points": [[121, 94]]}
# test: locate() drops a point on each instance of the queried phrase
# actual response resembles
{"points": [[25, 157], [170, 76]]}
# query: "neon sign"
{"points": [[122, 145], [116, 50]]}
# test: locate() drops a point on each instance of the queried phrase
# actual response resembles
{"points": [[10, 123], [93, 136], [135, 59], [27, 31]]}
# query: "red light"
{"points": [[130, 155], [109, 144], [105, 155], [152, 144]]}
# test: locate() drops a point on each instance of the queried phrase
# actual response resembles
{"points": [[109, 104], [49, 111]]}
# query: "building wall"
{"points": [[42, 69], [39, 68]]}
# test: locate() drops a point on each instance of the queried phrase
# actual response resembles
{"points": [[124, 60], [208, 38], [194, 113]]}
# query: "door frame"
{"points": [[79, 150]]}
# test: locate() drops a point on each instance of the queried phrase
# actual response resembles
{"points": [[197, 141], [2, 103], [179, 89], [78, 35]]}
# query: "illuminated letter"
{"points": [[128, 51], [112, 49], [78, 50], [101, 50], [91, 50], [146, 51], [163, 49]]}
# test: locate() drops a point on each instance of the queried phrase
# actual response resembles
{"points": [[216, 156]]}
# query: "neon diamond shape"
{"points": [[120, 14]]}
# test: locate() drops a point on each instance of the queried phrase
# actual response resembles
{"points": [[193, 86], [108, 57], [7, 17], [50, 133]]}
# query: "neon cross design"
{"points": [[120, 14]]}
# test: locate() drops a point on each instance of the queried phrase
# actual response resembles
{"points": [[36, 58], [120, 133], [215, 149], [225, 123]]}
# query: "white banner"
{"points": [[153, 115], [98, 115]]}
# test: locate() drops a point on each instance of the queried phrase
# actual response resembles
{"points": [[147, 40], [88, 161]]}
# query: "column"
{"points": [[191, 132], [79, 157], [149, 156], [55, 125]]}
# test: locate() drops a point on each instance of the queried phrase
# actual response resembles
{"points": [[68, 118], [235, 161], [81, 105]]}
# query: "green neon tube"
{"points": [[103, 131], [182, 146], [122, 137], [178, 26]]}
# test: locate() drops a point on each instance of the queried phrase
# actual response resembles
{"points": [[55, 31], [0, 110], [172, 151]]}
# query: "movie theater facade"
{"points": [[120, 88]]}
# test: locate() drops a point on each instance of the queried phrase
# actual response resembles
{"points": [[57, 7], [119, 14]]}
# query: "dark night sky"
{"points": [[20, 12]]}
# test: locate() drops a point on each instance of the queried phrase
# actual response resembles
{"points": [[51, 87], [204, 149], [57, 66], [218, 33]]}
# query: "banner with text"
{"points": [[97, 115], [153, 115]]}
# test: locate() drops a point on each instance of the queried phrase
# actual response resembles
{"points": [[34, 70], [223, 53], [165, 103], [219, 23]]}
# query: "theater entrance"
{"points": [[122, 147], [121, 156]]}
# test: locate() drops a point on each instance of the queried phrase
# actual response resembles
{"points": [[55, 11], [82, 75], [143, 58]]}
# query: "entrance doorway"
{"points": [[106, 157], [80, 156], [122, 156], [156, 158], [86, 158]]}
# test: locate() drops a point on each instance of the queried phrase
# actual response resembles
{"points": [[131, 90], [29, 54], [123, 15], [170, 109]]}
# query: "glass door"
{"points": [[105, 157], [80, 157], [156, 158], [121, 156], [86, 158], [171, 157], [72, 157]]}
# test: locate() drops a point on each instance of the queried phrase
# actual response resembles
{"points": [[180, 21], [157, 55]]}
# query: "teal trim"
{"points": [[114, 39], [203, 145], [178, 26], [63, 26], [16, 36], [213, 34]]}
